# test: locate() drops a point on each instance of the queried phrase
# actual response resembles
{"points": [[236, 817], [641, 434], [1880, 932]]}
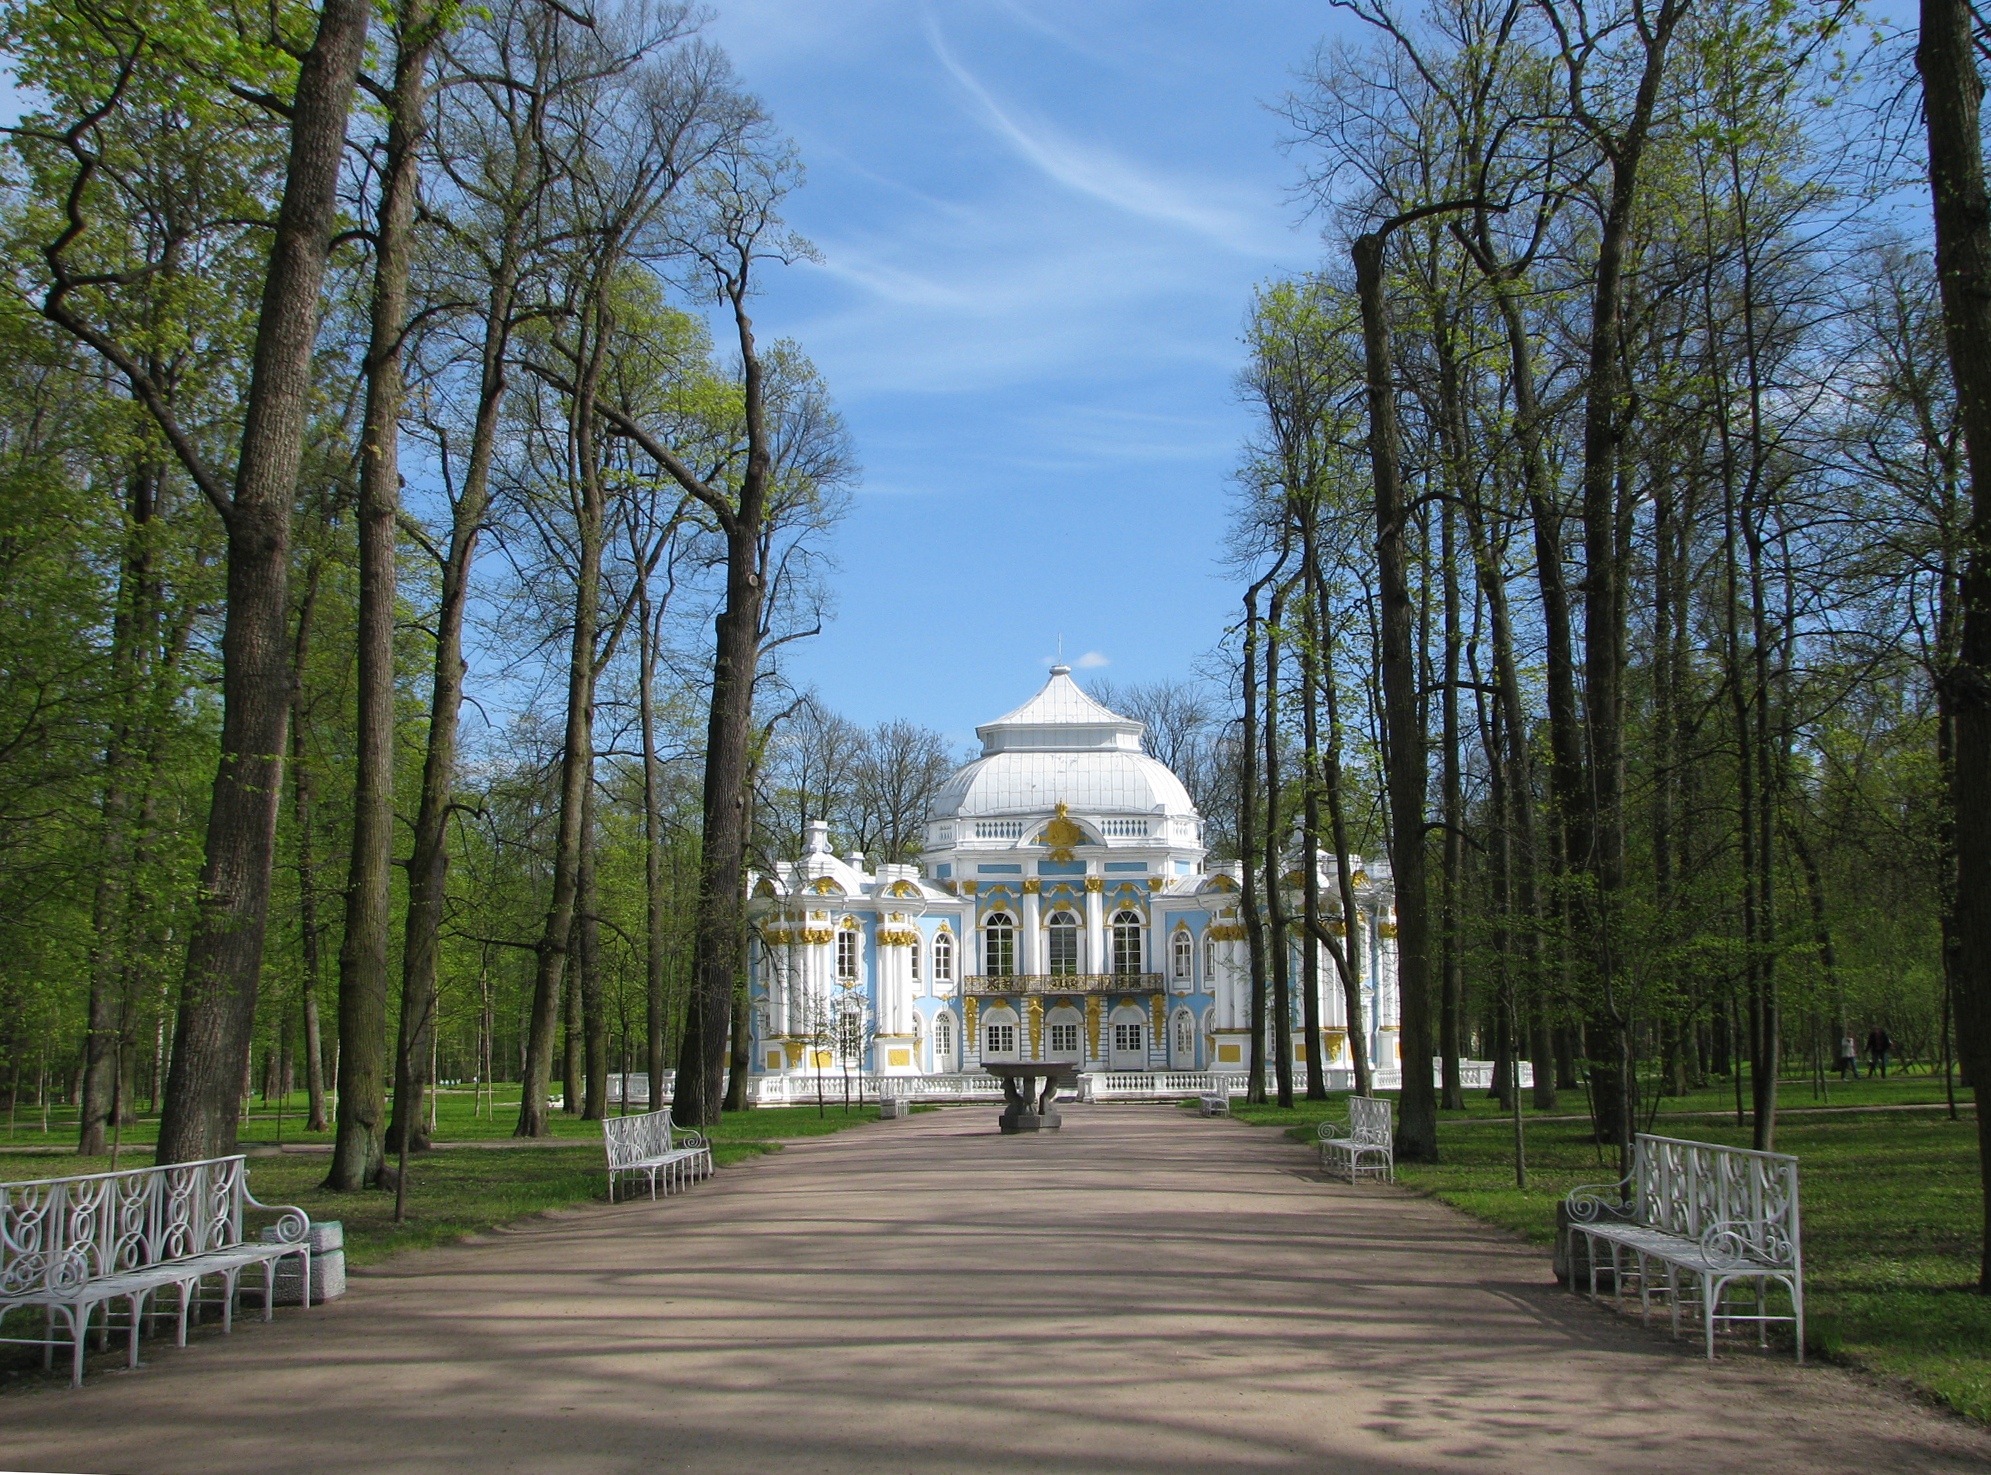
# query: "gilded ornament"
{"points": [[903, 888], [1360, 878], [1095, 883], [1032, 886], [825, 886], [766, 888], [967, 888], [1387, 929], [1062, 834], [1155, 883]]}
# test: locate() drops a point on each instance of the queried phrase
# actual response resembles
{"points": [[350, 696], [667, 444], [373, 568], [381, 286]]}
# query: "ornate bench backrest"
{"points": [[1688, 1188], [1369, 1121], [59, 1232], [633, 1139]]}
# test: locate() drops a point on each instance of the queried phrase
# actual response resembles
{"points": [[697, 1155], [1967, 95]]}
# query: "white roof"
{"points": [[1060, 716], [1036, 783], [1061, 746]]}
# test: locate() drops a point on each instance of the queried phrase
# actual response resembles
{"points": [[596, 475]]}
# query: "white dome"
{"points": [[1035, 783], [1061, 747]]}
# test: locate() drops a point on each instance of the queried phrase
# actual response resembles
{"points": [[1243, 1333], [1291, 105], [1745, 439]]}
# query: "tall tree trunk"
{"points": [[1275, 884], [1952, 95], [1247, 825], [587, 959], [1313, 924], [1404, 756], [304, 809], [550, 978], [225, 951], [1346, 949], [1602, 862], [1452, 990], [133, 634], [654, 952], [363, 955]]}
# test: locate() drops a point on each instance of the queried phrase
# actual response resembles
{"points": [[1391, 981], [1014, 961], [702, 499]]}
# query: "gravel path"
{"points": [[1143, 1291]]}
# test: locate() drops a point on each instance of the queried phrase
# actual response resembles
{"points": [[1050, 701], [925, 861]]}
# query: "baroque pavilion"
{"points": [[1062, 911]]}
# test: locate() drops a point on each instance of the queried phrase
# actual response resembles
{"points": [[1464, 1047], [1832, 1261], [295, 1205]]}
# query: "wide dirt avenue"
{"points": [[1143, 1291]]}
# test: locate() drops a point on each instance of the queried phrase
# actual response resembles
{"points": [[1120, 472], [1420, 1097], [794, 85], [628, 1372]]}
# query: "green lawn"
{"points": [[1890, 1198]]}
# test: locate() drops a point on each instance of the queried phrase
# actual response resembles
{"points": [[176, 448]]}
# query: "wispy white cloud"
{"points": [[1092, 660], [1102, 174]]}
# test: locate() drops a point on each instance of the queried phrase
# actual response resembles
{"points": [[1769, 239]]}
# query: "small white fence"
{"points": [[633, 1089]]}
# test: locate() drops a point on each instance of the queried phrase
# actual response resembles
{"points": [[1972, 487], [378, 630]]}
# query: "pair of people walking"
{"points": [[1880, 1045]]}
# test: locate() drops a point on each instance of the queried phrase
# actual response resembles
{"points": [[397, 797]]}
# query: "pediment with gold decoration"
{"points": [[1063, 833]]}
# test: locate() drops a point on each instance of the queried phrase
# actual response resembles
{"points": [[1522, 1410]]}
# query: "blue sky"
{"points": [[1040, 225]]}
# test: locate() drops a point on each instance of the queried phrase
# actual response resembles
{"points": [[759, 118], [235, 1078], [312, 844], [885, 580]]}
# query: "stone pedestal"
{"points": [[1025, 1109], [327, 1239]]}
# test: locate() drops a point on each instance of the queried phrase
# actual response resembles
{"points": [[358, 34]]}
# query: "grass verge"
{"points": [[451, 1193], [1890, 1200]]}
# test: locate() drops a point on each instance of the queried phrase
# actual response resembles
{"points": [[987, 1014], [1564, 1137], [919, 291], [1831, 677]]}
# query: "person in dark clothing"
{"points": [[1879, 1045]]}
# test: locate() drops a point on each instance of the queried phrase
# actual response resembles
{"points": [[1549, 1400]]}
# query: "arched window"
{"points": [[1184, 952], [999, 945], [1209, 958], [846, 954], [1185, 1036], [943, 958], [943, 1039], [1127, 942], [1061, 938]]}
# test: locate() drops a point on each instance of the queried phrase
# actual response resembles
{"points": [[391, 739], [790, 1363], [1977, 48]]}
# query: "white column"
{"points": [[1032, 960], [1095, 926]]}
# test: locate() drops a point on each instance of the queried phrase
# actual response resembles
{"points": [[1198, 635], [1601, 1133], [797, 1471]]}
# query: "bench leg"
{"points": [[138, 1300], [80, 1328], [1709, 1292]]}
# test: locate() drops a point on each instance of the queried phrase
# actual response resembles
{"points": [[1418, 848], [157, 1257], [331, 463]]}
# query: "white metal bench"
{"points": [[647, 1143], [1362, 1145], [1712, 1217], [72, 1245]]}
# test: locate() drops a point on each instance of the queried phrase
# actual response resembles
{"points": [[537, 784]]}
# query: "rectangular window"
{"points": [[1184, 955], [1001, 962], [1127, 1038], [918, 947], [846, 955], [1064, 1039], [1002, 1039]]}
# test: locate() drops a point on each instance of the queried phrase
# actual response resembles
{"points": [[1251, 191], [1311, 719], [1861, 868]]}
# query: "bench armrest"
{"points": [[1590, 1202], [686, 1137], [293, 1225], [1336, 1131]]}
